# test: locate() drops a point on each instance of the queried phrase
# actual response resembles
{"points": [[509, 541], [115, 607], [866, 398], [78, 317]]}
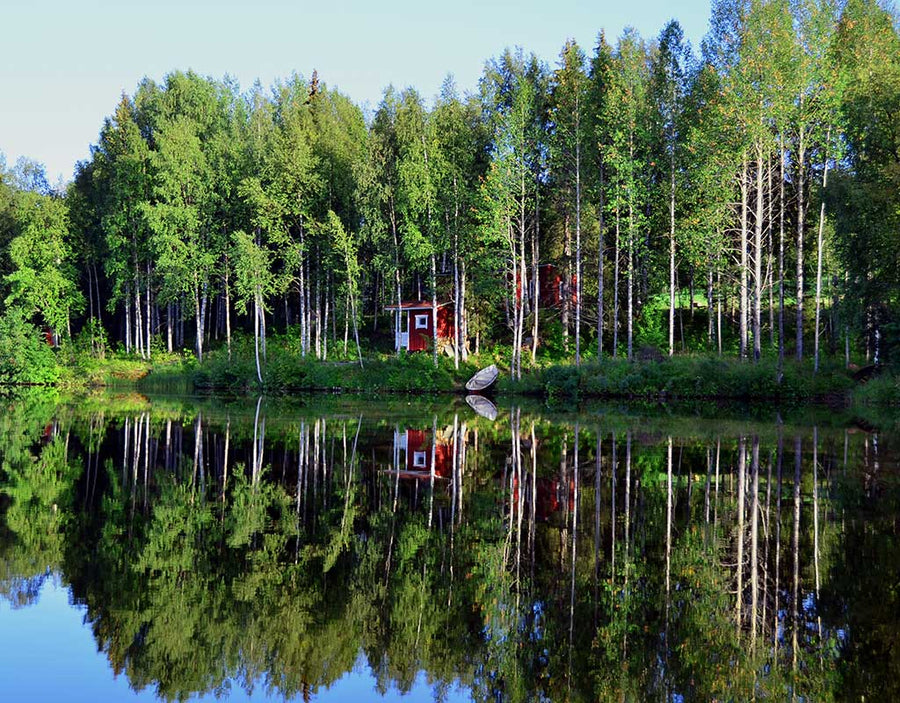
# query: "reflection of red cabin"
{"points": [[415, 331], [412, 454], [550, 496]]}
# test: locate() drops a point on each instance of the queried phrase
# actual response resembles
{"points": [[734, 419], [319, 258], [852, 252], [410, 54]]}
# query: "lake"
{"points": [[330, 548]]}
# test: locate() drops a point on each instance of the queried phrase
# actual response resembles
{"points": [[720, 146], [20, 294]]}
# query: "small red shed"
{"points": [[551, 282], [414, 324], [551, 285]]}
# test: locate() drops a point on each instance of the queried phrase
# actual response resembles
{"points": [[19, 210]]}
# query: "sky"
{"points": [[66, 63]]}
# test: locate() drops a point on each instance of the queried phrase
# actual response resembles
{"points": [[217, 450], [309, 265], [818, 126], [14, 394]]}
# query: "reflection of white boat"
{"points": [[483, 379], [482, 406]]}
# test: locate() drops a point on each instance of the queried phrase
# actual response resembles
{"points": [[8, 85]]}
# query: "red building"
{"points": [[551, 286], [415, 326]]}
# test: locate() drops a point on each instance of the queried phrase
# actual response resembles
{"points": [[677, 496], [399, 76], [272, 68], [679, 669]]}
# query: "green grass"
{"points": [[286, 370], [686, 377], [552, 379]]}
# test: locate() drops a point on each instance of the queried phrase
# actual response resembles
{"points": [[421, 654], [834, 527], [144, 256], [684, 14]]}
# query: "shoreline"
{"points": [[679, 379]]}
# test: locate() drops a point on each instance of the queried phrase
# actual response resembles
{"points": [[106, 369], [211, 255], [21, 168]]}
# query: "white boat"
{"points": [[483, 379]]}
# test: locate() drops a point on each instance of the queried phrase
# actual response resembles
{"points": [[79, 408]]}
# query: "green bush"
{"points": [[884, 389], [25, 356], [689, 377]]}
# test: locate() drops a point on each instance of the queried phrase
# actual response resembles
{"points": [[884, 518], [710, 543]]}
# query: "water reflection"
{"points": [[534, 557]]}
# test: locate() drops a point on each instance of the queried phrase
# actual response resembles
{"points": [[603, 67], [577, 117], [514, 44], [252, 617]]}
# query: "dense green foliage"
{"points": [[743, 201], [24, 355]]}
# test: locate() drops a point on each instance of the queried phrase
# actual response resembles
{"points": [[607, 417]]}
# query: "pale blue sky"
{"points": [[65, 62]]}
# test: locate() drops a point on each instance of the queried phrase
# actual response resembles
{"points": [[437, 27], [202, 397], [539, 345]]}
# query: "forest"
{"points": [[741, 200]]}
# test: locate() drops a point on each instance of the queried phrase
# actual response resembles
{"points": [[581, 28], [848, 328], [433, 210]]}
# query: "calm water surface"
{"points": [[330, 549]]}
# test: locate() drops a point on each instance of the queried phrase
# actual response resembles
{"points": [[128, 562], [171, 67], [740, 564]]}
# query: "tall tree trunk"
{"points": [[780, 373], [90, 293], [578, 275], [819, 243], [198, 345], [801, 217], [710, 319], [464, 315], [434, 308], [204, 306], [516, 294], [456, 296], [138, 317], [672, 256], [227, 308], [615, 348], [127, 318], [97, 293], [744, 266], [719, 308], [397, 287], [257, 327], [631, 243], [170, 327], [535, 272], [356, 329], [758, 255], [523, 272], [566, 287], [304, 342], [180, 316], [149, 326], [346, 322], [770, 260], [601, 252], [318, 306], [630, 326], [325, 317]]}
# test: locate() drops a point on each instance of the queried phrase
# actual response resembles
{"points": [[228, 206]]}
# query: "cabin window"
{"points": [[421, 322], [419, 460]]}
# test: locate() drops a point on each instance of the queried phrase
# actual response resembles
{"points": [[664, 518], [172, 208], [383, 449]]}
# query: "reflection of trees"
{"points": [[215, 549], [36, 493]]}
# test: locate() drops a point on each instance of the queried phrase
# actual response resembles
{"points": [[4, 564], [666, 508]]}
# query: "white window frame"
{"points": [[420, 460], [421, 321]]}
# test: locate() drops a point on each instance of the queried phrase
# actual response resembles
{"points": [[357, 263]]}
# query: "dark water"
{"points": [[328, 549]]}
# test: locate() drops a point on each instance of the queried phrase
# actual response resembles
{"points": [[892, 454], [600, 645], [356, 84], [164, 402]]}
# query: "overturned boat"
{"points": [[484, 379]]}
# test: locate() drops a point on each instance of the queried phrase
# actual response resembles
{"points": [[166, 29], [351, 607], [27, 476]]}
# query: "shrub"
{"points": [[25, 357]]}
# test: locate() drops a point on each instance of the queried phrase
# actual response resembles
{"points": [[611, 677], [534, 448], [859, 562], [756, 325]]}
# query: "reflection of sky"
{"points": [[47, 653]]}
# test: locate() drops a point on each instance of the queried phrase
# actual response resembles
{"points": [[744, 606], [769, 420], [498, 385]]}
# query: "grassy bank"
{"points": [[286, 371], [701, 378]]}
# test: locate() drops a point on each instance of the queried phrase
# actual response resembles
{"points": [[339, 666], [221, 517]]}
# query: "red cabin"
{"points": [[551, 286], [551, 283], [414, 324]]}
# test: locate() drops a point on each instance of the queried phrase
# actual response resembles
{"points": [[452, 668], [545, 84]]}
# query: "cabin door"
{"points": [[403, 336], [419, 329]]}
